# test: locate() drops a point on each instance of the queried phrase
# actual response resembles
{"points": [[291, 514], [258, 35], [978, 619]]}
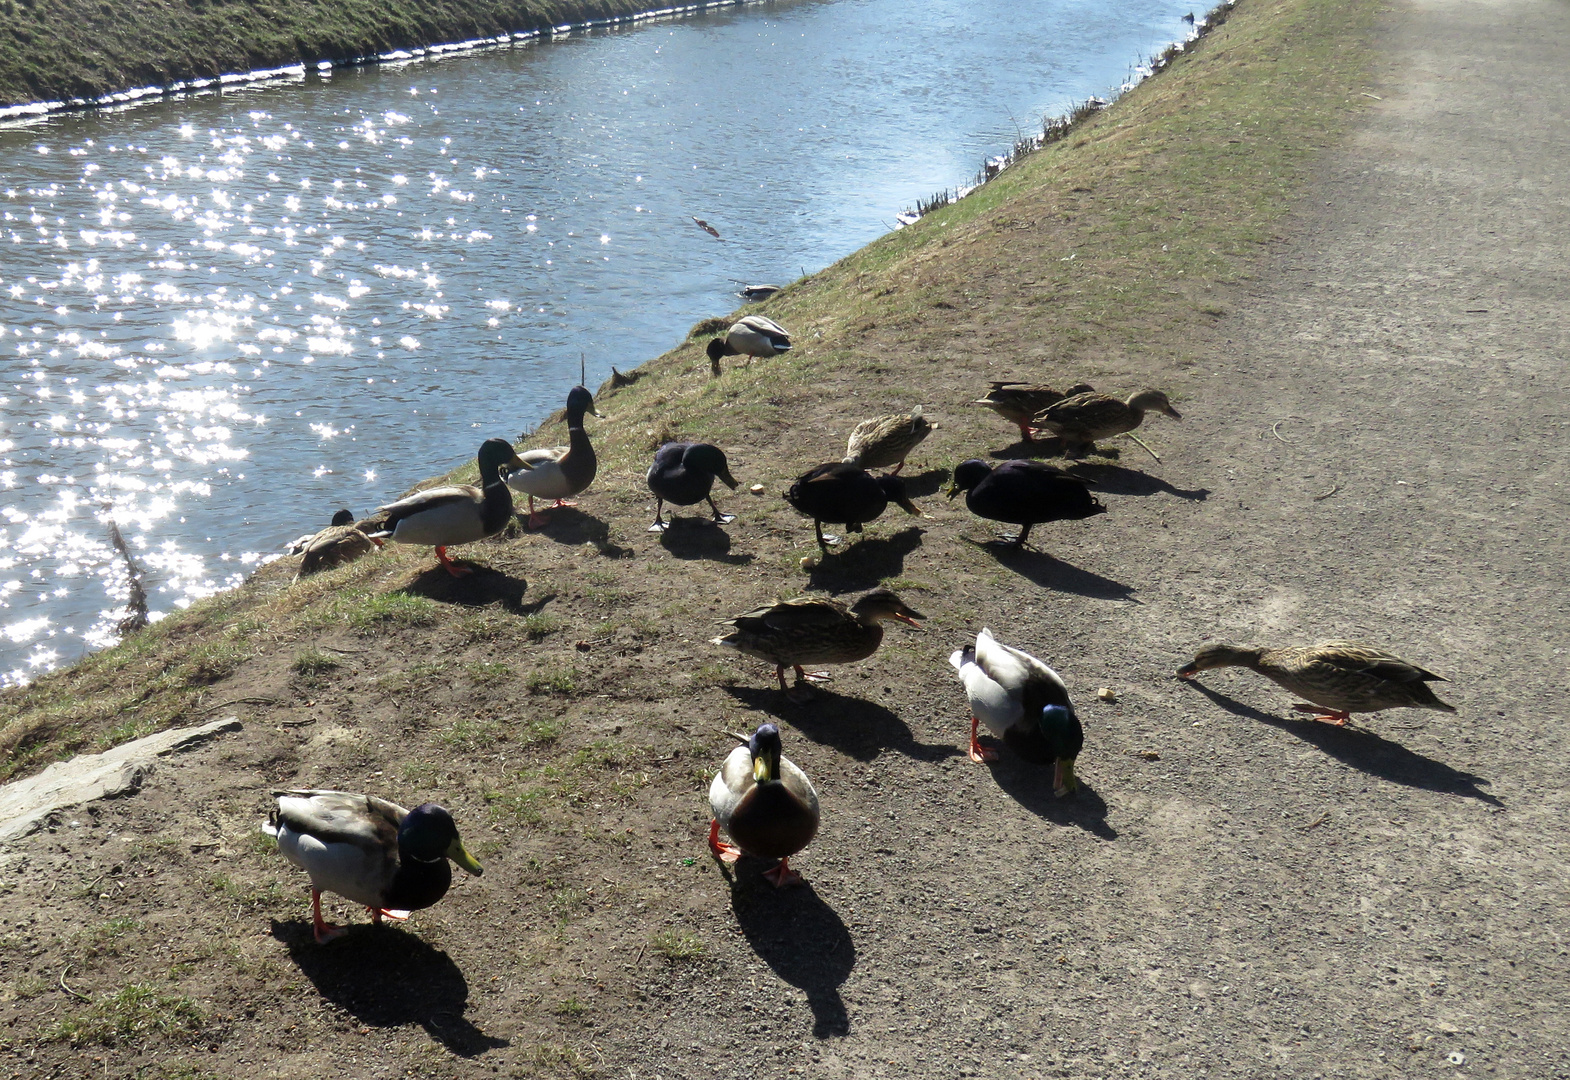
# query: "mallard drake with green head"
{"points": [[560, 472], [885, 440], [367, 850], [341, 542], [1339, 677], [1082, 419], [764, 803], [1023, 702], [751, 335], [1019, 402], [843, 494], [1023, 492], [457, 513], [816, 630], [684, 473]]}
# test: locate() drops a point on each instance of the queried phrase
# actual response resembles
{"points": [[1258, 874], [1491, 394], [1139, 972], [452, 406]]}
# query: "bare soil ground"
{"points": [[1373, 446]]}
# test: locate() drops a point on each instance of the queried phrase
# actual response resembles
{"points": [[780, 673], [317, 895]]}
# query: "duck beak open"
{"points": [[460, 855], [1063, 780]]}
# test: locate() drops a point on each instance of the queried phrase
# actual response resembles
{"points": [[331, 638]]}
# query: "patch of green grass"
{"points": [[570, 1007], [522, 806], [471, 735], [131, 1016], [712, 675], [488, 669], [314, 663], [395, 609], [265, 895], [105, 937], [552, 680], [556, 1059], [540, 625], [677, 946]]}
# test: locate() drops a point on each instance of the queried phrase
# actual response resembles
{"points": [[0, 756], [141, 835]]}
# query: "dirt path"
{"points": [[1373, 446]]}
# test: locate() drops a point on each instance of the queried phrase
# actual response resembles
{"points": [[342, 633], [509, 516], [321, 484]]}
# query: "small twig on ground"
{"points": [[1316, 823], [1277, 424], [243, 701], [636, 960], [67, 989], [298, 723], [1141, 442], [1326, 495]]}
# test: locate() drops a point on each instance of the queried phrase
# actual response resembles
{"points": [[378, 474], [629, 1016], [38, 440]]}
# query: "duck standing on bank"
{"points": [[1339, 677], [1082, 419], [340, 543], [1023, 702], [1026, 493], [367, 850], [751, 335], [885, 440], [684, 474], [764, 803], [560, 472], [456, 513], [816, 630], [840, 493], [1020, 402]]}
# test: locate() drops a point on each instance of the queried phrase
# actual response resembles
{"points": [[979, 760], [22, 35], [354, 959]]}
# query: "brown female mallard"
{"points": [[1019, 402], [1339, 677], [1082, 419], [765, 803], [885, 440], [341, 542], [816, 630]]}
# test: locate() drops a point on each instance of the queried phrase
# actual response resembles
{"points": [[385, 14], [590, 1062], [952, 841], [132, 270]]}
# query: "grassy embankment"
{"points": [[1100, 252], [52, 50]]}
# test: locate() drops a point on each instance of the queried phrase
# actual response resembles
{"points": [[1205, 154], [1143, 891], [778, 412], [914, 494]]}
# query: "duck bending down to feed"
{"points": [[751, 335], [456, 513], [684, 474], [1023, 492], [1020, 402], [340, 543], [1023, 702], [560, 472], [764, 803], [367, 850], [840, 493], [885, 440], [1339, 677], [816, 630], [1082, 419]]}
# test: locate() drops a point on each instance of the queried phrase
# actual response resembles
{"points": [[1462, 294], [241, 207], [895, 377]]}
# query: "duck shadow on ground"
{"points": [[1365, 751], [923, 484], [854, 726], [1052, 573], [696, 542], [1117, 480], [1050, 447], [481, 587], [387, 977], [1031, 787], [570, 526], [863, 562], [801, 938]]}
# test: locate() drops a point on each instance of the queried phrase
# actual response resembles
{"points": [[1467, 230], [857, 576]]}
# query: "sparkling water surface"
{"points": [[225, 315]]}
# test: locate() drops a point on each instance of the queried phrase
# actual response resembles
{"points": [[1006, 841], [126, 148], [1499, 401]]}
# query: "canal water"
{"points": [[225, 315]]}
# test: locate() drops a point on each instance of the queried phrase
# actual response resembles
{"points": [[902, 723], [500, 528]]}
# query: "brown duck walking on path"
{"points": [[816, 630], [1019, 402], [1339, 677], [885, 440], [1082, 419]]}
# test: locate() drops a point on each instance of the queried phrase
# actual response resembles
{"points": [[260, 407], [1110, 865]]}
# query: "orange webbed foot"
{"points": [[1337, 719], [725, 853], [981, 755], [782, 875]]}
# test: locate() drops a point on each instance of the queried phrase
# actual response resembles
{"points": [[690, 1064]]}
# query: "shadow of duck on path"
{"points": [[697, 542], [1365, 751], [1053, 573], [1031, 787], [386, 977], [480, 588], [854, 726], [1117, 480], [802, 939], [863, 562]]}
